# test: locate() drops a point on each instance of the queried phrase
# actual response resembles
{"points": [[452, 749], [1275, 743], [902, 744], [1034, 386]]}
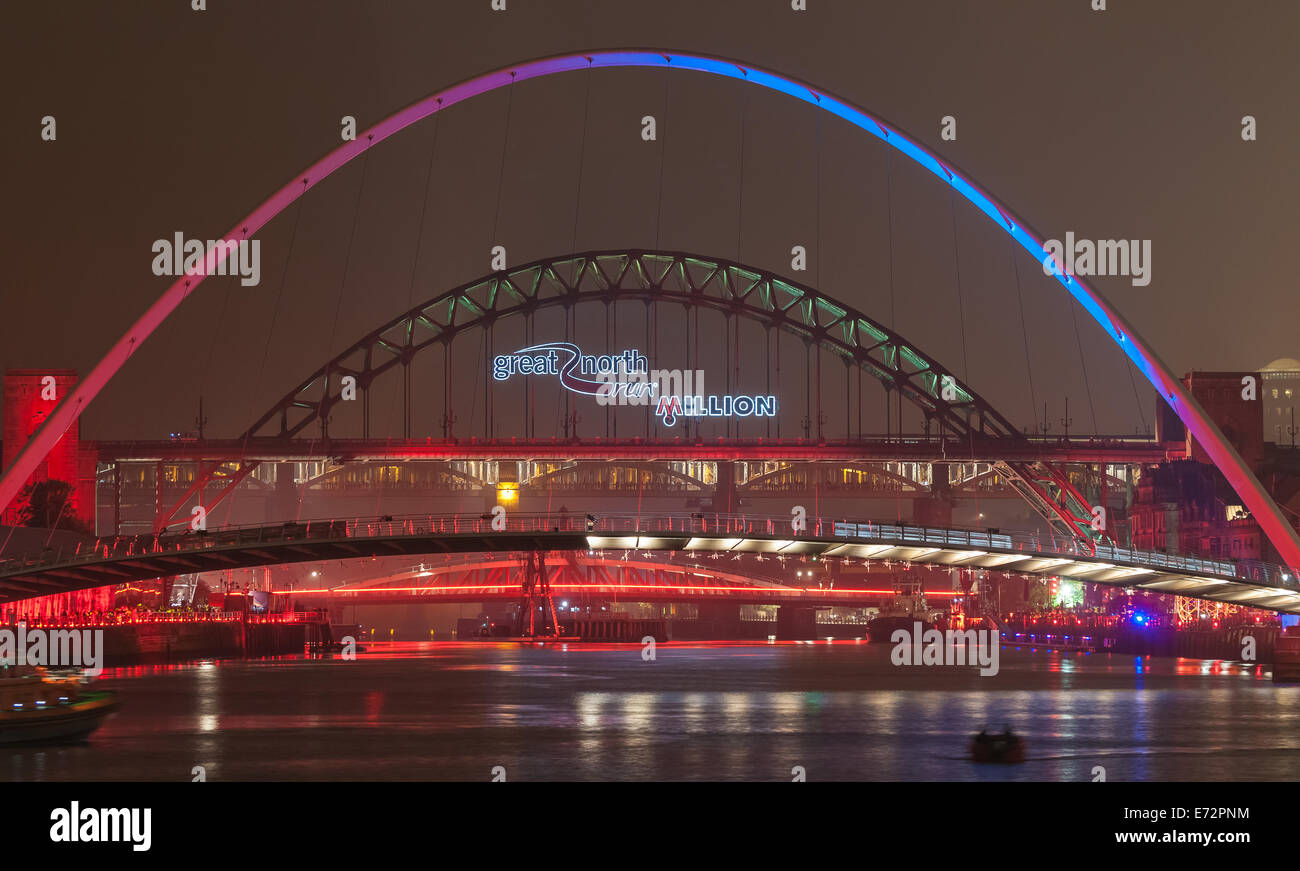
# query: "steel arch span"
{"points": [[1279, 531], [650, 277], [691, 281]]}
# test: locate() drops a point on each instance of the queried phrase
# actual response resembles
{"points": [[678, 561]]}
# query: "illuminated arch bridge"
{"points": [[1136, 349], [118, 560], [960, 421]]}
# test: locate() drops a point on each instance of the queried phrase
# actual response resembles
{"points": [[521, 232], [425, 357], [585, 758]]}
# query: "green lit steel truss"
{"points": [[603, 277], [606, 276]]}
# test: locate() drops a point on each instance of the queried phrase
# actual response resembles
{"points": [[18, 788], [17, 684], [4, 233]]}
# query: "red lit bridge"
{"points": [[867, 448], [820, 366], [599, 574], [1062, 479], [121, 559]]}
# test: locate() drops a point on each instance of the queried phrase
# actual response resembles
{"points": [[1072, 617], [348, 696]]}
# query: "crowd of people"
{"points": [[124, 615]]}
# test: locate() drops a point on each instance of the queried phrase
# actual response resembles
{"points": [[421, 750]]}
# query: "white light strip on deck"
{"points": [[1004, 558]]}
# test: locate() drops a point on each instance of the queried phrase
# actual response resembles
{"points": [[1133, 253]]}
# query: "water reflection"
{"points": [[436, 711]]}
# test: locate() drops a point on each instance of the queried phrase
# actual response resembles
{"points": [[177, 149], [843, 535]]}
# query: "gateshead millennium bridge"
{"points": [[119, 560], [829, 346]]}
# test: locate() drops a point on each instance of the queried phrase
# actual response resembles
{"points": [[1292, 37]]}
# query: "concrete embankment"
{"points": [[1231, 643], [173, 642]]}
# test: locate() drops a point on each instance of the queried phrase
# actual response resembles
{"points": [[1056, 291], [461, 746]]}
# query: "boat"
{"points": [[907, 609], [1007, 748], [881, 628], [327, 648], [37, 706]]}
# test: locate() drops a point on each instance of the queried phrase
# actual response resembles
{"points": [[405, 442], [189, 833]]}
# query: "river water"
{"points": [[706, 711]]}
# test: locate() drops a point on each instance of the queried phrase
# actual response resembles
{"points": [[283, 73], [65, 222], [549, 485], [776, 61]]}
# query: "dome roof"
{"points": [[1287, 364]]}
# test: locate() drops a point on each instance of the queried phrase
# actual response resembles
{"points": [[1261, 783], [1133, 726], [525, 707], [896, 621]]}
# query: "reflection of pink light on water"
{"points": [[374, 706]]}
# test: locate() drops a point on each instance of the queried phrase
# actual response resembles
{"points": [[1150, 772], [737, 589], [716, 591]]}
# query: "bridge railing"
{"points": [[691, 592], [132, 617], [122, 617], [634, 527], [1047, 544]]}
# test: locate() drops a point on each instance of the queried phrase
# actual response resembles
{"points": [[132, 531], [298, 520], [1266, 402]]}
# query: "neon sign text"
{"points": [[628, 375], [672, 407]]}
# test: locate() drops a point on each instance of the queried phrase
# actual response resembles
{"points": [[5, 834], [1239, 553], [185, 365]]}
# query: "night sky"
{"points": [[1114, 125]]}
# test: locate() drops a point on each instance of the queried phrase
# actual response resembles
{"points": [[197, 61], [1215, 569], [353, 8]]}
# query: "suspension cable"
{"points": [[505, 146], [338, 308], [965, 360], [956, 260], [279, 293], [817, 270], [740, 194], [663, 153], [1136, 398], [424, 208], [582, 154], [889, 223], [212, 346], [347, 263], [275, 311], [485, 337], [1083, 362], [347, 266], [410, 302], [1024, 332]]}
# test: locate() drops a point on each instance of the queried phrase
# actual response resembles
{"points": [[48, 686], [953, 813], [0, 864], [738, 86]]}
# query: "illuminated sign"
{"points": [[626, 379], [672, 407], [546, 360]]}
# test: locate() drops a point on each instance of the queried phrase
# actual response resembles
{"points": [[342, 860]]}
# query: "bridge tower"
{"points": [[935, 508], [537, 598]]}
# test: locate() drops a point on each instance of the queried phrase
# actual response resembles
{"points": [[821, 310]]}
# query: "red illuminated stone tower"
{"points": [[29, 397]]}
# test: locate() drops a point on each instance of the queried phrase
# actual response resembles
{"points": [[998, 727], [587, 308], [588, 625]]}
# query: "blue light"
{"points": [[1157, 373]]}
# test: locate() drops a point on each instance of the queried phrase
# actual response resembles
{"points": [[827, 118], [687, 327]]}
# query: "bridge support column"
{"points": [[936, 508], [725, 500], [537, 618], [286, 494], [719, 620], [796, 623]]}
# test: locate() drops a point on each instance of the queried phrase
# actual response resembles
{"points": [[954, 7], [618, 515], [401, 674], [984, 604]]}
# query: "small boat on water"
{"points": [[1007, 748], [39, 707], [327, 648], [907, 609]]}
